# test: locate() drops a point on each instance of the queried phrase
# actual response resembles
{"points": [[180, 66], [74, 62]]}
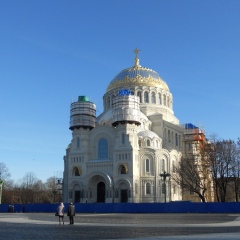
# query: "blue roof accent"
{"points": [[190, 126], [125, 92]]}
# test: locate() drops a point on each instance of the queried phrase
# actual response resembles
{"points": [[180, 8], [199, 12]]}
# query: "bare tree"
{"points": [[4, 175], [234, 151], [4, 172], [236, 172], [30, 189], [29, 180], [224, 158], [192, 174], [27, 191], [51, 183], [51, 188], [224, 161]]}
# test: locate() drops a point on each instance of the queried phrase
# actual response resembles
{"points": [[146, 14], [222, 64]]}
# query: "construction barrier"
{"points": [[171, 207]]}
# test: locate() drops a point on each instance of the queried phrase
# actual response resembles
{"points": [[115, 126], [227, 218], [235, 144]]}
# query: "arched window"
{"points": [[176, 139], [139, 143], [103, 148], [123, 169], [112, 100], [146, 98], [123, 138], [108, 102], [147, 165], [168, 102], [78, 142], [148, 143], [139, 94], [174, 189], [163, 165], [153, 97], [164, 100], [148, 188], [160, 98], [173, 166], [169, 136], [76, 171]]}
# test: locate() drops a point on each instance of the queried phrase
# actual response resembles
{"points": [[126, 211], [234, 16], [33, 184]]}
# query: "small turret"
{"points": [[82, 114], [126, 108]]}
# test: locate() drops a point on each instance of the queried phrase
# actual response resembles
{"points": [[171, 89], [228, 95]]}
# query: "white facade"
{"points": [[119, 156]]}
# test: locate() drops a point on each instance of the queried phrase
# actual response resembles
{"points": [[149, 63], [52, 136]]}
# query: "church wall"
{"points": [[170, 132], [96, 134], [157, 124], [127, 154], [124, 152]]}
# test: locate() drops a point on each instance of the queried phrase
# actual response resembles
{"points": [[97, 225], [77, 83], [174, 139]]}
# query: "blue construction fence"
{"points": [[171, 207]]}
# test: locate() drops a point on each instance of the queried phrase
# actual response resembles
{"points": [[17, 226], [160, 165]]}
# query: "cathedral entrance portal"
{"points": [[77, 196], [124, 195], [101, 192]]}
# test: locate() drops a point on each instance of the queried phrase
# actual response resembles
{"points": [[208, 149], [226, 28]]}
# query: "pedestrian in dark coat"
{"points": [[71, 213]]}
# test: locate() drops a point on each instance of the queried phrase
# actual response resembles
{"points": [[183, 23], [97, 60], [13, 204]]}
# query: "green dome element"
{"points": [[83, 99]]}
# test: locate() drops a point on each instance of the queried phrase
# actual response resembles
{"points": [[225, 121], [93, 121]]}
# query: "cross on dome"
{"points": [[137, 51]]}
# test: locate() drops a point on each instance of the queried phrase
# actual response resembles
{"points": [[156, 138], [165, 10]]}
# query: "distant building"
{"points": [[194, 140], [119, 155]]}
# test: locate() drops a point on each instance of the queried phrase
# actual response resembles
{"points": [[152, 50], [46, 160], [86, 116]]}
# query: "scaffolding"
{"points": [[193, 133]]}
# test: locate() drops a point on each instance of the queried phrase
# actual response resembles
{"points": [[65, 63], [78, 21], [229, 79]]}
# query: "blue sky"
{"points": [[51, 52]]}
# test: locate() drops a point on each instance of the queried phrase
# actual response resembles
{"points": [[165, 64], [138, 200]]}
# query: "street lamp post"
{"points": [[164, 175]]}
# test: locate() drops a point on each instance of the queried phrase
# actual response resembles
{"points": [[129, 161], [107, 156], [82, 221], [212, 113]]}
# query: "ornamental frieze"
{"points": [[138, 80]]}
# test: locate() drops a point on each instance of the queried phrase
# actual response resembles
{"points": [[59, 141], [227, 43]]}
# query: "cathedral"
{"points": [[128, 152]]}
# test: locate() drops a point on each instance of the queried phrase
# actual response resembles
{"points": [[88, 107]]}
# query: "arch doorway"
{"points": [[124, 195], [101, 192], [124, 191]]}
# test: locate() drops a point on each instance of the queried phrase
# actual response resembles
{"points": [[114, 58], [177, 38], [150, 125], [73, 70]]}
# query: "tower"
{"points": [[82, 120]]}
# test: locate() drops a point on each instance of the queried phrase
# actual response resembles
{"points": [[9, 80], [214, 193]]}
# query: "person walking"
{"points": [[60, 211], [71, 213]]}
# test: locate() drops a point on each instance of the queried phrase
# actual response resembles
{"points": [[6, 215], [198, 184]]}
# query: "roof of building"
{"points": [[148, 133], [137, 76], [108, 115]]}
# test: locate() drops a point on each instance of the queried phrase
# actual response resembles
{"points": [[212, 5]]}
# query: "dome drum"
{"points": [[82, 114], [82, 121], [126, 108]]}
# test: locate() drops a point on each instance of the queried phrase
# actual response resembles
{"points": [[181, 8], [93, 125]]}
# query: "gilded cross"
{"points": [[136, 51]]}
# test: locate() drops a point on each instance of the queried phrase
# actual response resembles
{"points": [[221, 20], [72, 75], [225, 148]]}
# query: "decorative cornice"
{"points": [[138, 81]]}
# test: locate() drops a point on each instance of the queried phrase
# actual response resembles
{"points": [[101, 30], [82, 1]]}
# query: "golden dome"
{"points": [[137, 76]]}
